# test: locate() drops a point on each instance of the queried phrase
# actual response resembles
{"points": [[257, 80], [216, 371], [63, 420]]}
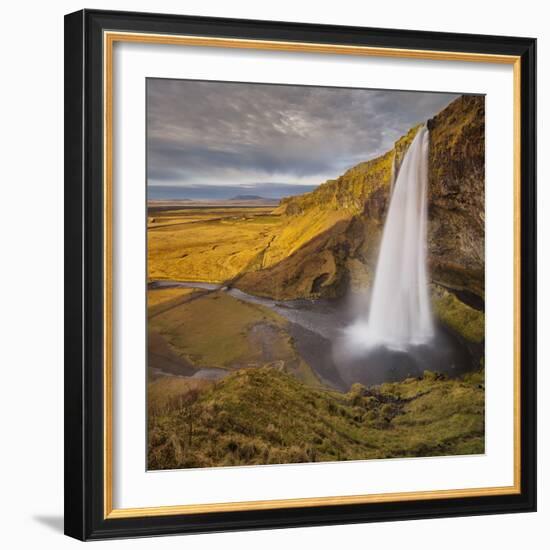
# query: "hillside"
{"points": [[319, 248], [265, 416], [312, 214]]}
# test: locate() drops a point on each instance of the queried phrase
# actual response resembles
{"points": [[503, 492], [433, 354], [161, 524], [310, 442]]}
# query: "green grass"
{"points": [[463, 319], [265, 416]]}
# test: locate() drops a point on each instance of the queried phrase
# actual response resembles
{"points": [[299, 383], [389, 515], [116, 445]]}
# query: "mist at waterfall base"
{"points": [[394, 335]]}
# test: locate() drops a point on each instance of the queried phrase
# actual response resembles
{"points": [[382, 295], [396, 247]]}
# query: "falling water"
{"points": [[399, 314]]}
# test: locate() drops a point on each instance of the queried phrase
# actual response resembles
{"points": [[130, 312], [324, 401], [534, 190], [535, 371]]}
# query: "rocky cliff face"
{"points": [[333, 233], [457, 196]]}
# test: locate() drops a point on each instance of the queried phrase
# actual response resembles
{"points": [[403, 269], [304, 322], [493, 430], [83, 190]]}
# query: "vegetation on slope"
{"points": [[265, 416], [460, 317], [350, 191]]}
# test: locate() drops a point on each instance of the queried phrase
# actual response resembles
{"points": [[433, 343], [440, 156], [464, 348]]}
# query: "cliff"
{"points": [[331, 237], [331, 233], [457, 196]]}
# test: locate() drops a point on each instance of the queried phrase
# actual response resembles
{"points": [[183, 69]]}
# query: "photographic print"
{"points": [[278, 240], [315, 274]]}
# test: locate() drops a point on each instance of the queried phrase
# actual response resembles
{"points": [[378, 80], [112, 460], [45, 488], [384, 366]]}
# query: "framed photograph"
{"points": [[300, 274]]}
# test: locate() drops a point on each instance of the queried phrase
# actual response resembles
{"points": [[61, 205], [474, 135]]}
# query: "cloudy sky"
{"points": [[211, 138]]}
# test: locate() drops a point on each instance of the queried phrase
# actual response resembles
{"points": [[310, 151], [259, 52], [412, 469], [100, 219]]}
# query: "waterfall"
{"points": [[400, 314]]}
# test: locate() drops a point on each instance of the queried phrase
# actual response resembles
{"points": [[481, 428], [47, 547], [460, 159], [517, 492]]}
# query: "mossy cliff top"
{"points": [[351, 190]]}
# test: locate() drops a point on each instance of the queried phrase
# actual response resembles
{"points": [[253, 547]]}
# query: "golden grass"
{"points": [[217, 244], [161, 295], [160, 300], [298, 231], [208, 244]]}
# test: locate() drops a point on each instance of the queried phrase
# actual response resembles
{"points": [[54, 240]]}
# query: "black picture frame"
{"points": [[84, 280]]}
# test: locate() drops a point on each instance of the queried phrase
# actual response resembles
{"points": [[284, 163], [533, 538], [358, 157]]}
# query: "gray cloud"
{"points": [[230, 133]]}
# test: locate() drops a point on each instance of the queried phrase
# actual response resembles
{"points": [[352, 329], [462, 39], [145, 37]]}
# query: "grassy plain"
{"points": [[213, 244], [217, 244], [164, 296]]}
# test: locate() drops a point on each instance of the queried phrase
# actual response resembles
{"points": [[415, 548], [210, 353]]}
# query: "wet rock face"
{"points": [[376, 205], [456, 198], [456, 229]]}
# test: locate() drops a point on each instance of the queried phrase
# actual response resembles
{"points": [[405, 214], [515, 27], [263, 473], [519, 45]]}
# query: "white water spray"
{"points": [[400, 314]]}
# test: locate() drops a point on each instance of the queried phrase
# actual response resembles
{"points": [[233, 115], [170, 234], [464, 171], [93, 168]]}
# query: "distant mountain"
{"points": [[223, 192], [253, 200], [247, 198]]}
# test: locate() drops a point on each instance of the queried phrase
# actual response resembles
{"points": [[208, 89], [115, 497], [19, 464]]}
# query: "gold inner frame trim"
{"points": [[109, 39]]}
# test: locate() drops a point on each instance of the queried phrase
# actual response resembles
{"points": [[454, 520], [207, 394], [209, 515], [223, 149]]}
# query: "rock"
{"points": [[456, 230]]}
